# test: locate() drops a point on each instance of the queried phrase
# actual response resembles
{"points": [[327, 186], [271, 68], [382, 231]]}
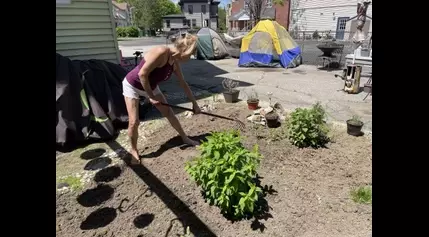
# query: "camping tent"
{"points": [[267, 44], [210, 45]]}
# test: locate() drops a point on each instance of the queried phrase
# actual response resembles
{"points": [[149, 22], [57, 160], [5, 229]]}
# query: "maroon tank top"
{"points": [[155, 77]]}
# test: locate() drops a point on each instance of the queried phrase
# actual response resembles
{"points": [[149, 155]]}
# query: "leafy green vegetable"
{"points": [[226, 172]]}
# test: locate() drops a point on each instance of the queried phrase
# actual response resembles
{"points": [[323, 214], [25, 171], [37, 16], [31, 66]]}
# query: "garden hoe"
{"points": [[240, 124]]}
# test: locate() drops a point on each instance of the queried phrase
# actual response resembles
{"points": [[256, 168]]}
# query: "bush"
{"points": [[307, 127], [130, 31], [120, 32], [226, 172]]}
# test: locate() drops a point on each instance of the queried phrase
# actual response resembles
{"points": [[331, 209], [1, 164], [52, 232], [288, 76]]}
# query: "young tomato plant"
{"points": [[307, 127], [226, 170]]}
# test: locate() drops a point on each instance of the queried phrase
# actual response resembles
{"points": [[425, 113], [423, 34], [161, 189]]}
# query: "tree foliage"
{"points": [[148, 13], [222, 18]]}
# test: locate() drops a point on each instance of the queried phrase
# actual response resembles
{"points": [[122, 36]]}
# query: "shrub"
{"points": [[120, 32], [226, 172], [130, 31], [307, 127]]}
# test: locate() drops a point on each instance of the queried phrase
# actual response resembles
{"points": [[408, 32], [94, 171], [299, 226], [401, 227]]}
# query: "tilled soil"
{"points": [[311, 197]]}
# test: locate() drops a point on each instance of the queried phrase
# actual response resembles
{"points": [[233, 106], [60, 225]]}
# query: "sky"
{"points": [[222, 2]]}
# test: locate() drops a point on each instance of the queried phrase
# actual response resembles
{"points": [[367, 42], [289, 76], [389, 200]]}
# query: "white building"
{"points": [[122, 14], [195, 14], [327, 15]]}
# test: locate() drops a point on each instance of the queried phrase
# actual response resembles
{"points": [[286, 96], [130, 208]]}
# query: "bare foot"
{"points": [[190, 142], [135, 159]]}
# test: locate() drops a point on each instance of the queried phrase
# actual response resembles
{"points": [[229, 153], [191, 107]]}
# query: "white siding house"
{"points": [[176, 21], [85, 29], [122, 14], [326, 15], [195, 14]]}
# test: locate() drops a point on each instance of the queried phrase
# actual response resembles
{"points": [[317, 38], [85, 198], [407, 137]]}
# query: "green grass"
{"points": [[73, 182], [362, 195]]}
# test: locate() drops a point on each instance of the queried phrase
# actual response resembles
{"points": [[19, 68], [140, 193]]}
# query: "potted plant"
{"points": [[252, 100], [272, 119], [230, 93], [354, 126]]}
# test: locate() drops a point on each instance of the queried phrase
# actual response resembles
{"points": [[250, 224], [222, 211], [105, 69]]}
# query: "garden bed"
{"points": [[310, 195]]}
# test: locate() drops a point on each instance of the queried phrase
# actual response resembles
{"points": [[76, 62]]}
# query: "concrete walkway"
{"points": [[293, 88]]}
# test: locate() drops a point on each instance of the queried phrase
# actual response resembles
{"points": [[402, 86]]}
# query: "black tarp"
{"points": [[89, 101]]}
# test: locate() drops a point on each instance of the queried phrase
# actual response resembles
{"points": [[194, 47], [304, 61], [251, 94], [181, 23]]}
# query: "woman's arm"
{"points": [[183, 84], [153, 59]]}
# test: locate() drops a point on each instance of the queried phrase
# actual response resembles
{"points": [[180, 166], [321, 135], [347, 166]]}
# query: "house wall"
{"points": [[196, 15], [85, 29], [176, 23], [213, 23], [281, 12], [322, 15], [119, 21]]}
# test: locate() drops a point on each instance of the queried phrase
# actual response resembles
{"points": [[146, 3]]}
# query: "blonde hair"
{"points": [[186, 44]]}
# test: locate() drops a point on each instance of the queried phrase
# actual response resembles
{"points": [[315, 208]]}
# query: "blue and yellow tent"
{"points": [[269, 44]]}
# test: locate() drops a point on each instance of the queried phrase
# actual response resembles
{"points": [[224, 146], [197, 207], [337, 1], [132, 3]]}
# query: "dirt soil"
{"points": [[311, 198]]}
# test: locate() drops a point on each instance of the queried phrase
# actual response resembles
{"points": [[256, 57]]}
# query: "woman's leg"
{"points": [[133, 126], [169, 114]]}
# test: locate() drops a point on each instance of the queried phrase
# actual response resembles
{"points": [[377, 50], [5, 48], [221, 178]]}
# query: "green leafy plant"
{"points": [[278, 134], [355, 120], [252, 96], [307, 127], [226, 172], [362, 195], [121, 32], [130, 31]]}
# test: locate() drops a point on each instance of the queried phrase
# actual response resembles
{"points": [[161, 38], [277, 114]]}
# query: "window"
{"points": [[185, 22], [188, 22], [168, 23], [194, 22], [190, 9], [207, 23], [269, 3], [203, 9]]}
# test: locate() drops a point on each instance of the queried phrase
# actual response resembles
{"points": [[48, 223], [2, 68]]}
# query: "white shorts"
{"points": [[132, 92]]}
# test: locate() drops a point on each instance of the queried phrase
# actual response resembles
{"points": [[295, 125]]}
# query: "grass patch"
{"points": [[362, 195], [73, 182]]}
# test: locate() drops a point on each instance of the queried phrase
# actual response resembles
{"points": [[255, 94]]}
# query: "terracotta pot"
{"points": [[252, 104]]}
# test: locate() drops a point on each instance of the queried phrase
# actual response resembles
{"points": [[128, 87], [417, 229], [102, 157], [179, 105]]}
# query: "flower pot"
{"points": [[231, 96], [354, 127], [252, 104], [367, 87], [272, 120]]}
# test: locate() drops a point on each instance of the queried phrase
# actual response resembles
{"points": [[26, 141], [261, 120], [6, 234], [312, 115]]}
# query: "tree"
{"points": [[148, 13], [222, 18], [256, 8]]}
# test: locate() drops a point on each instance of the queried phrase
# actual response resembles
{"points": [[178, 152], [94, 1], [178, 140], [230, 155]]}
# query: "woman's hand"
{"points": [[196, 108], [154, 102]]}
